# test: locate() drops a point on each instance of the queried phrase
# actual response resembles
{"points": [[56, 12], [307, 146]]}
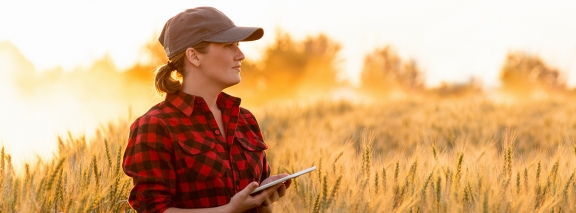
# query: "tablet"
{"points": [[281, 180]]}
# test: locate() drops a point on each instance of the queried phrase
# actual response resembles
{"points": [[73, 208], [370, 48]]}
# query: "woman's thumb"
{"points": [[251, 187]]}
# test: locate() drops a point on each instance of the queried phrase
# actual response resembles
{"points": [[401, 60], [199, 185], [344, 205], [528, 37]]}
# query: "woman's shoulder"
{"points": [[157, 112], [248, 119], [162, 110], [245, 113]]}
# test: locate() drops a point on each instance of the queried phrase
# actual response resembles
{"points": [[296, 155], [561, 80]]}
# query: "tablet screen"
{"points": [[281, 180]]}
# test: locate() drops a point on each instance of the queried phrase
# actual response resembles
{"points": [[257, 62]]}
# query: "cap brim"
{"points": [[236, 34]]}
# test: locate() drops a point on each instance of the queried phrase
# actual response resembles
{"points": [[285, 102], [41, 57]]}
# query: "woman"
{"points": [[198, 150]]}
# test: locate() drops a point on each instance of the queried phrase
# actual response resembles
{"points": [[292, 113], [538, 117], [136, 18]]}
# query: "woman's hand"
{"points": [[266, 206], [243, 201], [280, 192]]}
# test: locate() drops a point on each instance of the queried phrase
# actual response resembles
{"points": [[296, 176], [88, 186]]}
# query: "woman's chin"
{"points": [[232, 83], [237, 80]]}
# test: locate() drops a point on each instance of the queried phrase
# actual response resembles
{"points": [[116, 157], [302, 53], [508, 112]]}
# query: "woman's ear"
{"points": [[192, 56]]}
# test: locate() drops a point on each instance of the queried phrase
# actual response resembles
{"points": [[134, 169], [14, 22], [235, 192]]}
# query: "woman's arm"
{"points": [[147, 161]]}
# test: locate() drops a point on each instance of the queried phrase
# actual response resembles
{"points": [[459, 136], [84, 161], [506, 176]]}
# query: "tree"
{"points": [[385, 71], [291, 69], [524, 74], [151, 56]]}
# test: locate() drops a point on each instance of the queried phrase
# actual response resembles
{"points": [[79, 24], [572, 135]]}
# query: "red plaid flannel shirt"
{"points": [[177, 156]]}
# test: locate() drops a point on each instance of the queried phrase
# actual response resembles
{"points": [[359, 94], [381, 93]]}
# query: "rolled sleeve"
{"points": [[147, 160]]}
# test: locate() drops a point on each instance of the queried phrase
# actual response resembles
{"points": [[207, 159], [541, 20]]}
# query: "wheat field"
{"points": [[412, 155]]}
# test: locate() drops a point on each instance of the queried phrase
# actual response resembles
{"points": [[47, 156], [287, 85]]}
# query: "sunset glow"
{"points": [[450, 41]]}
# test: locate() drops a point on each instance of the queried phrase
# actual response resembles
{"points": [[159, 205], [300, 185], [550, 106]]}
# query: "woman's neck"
{"points": [[208, 93]]}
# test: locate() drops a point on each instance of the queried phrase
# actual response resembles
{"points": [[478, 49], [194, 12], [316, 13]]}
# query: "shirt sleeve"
{"points": [[265, 169], [147, 161], [265, 165]]}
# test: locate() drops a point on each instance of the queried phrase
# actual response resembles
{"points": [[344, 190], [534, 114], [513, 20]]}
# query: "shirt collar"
{"points": [[186, 102], [227, 101]]}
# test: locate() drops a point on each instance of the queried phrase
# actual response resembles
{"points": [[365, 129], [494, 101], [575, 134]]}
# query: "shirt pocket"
{"points": [[253, 144], [253, 154], [200, 161]]}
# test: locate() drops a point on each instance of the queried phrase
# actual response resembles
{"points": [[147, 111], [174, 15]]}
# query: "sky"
{"points": [[451, 41]]}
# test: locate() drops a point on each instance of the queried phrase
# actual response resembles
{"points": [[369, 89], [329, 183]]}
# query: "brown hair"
{"points": [[165, 80]]}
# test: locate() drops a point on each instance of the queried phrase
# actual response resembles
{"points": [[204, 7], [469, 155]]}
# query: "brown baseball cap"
{"points": [[195, 25]]}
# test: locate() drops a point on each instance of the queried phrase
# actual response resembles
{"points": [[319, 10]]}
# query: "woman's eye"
{"points": [[232, 44]]}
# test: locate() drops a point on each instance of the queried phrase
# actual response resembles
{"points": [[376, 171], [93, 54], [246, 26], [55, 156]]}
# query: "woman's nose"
{"points": [[240, 55]]}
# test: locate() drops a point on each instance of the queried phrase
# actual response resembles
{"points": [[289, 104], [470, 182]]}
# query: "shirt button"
{"points": [[217, 132]]}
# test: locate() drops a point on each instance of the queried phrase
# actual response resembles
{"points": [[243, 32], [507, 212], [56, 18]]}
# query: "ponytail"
{"points": [[168, 82], [165, 80]]}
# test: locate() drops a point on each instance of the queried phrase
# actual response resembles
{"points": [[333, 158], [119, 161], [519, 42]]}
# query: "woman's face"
{"points": [[221, 65]]}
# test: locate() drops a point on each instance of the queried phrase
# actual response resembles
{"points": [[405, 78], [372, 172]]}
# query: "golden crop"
{"points": [[418, 155]]}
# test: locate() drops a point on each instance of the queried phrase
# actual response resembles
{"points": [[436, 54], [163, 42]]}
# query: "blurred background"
{"points": [[68, 67]]}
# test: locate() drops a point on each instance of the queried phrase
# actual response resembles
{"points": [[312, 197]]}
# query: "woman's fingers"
{"points": [[269, 195], [249, 188], [268, 192], [266, 196], [271, 199], [242, 201], [282, 190], [288, 183]]}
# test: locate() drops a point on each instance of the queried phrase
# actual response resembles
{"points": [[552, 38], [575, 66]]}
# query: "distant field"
{"points": [[458, 155]]}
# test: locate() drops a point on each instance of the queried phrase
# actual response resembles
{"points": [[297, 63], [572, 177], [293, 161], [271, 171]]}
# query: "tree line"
{"points": [[303, 69]]}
